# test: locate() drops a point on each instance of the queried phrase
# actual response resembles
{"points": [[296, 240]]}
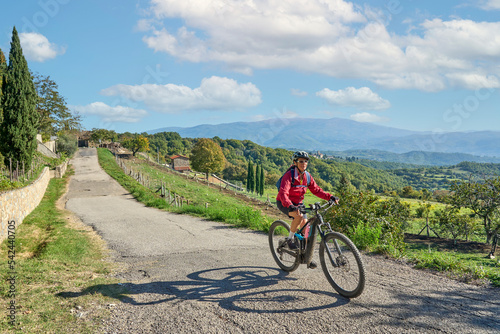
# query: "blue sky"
{"points": [[138, 65]]}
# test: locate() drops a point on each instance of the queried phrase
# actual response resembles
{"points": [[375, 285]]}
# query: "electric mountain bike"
{"points": [[340, 259]]}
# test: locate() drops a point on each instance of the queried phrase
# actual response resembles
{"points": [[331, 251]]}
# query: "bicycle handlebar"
{"points": [[317, 206]]}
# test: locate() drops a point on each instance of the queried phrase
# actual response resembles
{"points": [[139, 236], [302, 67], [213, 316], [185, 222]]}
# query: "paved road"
{"points": [[189, 275]]}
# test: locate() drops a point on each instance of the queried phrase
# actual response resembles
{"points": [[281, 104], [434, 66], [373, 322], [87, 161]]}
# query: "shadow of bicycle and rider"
{"points": [[244, 289]]}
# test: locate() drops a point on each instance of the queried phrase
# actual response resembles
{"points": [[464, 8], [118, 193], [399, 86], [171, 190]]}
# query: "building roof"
{"points": [[178, 156]]}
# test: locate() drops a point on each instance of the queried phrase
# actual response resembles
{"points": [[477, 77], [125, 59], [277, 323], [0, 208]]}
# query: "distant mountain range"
{"points": [[410, 159], [337, 134]]}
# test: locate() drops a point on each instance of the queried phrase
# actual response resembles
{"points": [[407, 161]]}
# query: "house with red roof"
{"points": [[180, 163]]}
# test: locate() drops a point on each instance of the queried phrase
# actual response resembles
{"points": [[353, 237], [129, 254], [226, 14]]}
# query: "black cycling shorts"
{"points": [[283, 209]]}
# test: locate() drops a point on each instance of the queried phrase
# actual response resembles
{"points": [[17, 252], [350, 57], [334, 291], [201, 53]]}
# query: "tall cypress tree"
{"points": [[250, 177], [257, 179], [3, 70], [20, 119], [262, 179]]}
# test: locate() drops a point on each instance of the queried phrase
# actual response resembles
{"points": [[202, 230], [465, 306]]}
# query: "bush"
{"points": [[366, 236], [67, 144], [370, 223]]}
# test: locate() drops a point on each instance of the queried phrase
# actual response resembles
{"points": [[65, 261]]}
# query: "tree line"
{"points": [[407, 183]]}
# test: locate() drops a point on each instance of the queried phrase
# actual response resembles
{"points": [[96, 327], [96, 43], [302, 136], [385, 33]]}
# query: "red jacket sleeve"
{"points": [[316, 190]]}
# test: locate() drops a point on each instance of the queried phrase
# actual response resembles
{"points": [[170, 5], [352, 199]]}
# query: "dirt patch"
{"points": [[448, 244]]}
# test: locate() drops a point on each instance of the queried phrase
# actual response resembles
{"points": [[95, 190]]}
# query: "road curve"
{"points": [[190, 275]]}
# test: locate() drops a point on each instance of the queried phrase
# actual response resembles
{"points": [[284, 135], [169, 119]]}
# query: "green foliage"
{"points": [[276, 161], [66, 144], [365, 236], [250, 177], [262, 181], [137, 144], [458, 225], [207, 156], [20, 119], [3, 72], [54, 115], [103, 135], [483, 198], [257, 179], [374, 224]]}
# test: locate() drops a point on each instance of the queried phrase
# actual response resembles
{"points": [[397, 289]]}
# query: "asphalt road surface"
{"points": [[190, 275]]}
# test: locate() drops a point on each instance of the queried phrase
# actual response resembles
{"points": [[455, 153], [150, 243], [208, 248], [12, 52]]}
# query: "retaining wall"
{"points": [[18, 203]]}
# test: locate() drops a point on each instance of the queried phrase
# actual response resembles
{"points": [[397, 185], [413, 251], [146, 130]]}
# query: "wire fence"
{"points": [[17, 171], [171, 197]]}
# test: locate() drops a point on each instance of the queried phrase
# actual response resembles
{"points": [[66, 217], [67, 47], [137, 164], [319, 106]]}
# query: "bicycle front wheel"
{"points": [[286, 258], [342, 265]]}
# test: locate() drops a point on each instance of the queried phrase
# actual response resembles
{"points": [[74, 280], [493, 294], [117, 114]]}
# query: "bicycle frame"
{"points": [[316, 223], [343, 266]]}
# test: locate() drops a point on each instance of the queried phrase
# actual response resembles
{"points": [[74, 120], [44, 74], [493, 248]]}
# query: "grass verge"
{"points": [[469, 267], [55, 260]]}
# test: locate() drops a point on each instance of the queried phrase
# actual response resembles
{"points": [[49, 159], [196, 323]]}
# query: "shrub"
{"points": [[369, 222], [67, 145]]}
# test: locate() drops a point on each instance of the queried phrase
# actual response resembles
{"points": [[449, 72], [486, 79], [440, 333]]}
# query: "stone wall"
{"points": [[61, 169], [17, 204]]}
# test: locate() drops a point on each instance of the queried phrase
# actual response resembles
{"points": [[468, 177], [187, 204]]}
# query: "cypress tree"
{"points": [[262, 179], [3, 70], [250, 177], [20, 119], [257, 179]]}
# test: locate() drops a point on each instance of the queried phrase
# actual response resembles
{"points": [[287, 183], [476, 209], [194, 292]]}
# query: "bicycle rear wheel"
{"points": [[285, 258], [342, 265]]}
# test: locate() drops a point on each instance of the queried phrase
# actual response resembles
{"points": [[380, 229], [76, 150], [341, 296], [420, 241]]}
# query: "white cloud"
{"points": [[331, 37], [111, 114], [365, 117], [214, 93], [37, 47], [473, 81], [298, 92], [490, 4], [361, 98]]}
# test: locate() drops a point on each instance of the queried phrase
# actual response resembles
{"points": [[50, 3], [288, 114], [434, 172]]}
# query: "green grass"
{"points": [[465, 266], [203, 201], [54, 261]]}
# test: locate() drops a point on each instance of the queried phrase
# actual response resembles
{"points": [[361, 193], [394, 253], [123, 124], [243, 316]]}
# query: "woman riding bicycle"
{"points": [[294, 185]]}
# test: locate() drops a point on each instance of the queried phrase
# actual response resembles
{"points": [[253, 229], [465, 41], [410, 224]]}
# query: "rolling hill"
{"points": [[337, 134]]}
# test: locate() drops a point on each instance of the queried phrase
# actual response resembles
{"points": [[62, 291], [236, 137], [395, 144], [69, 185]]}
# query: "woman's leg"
{"points": [[298, 220]]}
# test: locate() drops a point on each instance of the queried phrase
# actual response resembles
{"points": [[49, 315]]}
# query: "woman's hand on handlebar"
{"points": [[334, 200]]}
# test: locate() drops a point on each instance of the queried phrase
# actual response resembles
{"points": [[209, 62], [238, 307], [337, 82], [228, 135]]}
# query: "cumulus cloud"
{"points": [[361, 98], [111, 114], [365, 117], [490, 4], [333, 37], [37, 47], [214, 93]]}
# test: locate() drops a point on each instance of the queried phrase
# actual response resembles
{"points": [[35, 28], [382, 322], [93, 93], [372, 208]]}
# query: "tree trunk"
{"points": [[487, 230]]}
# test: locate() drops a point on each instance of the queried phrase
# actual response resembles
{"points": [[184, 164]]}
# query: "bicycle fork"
{"points": [[333, 261]]}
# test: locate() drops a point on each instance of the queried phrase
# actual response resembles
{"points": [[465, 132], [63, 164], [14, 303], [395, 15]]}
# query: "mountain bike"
{"points": [[340, 259]]}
